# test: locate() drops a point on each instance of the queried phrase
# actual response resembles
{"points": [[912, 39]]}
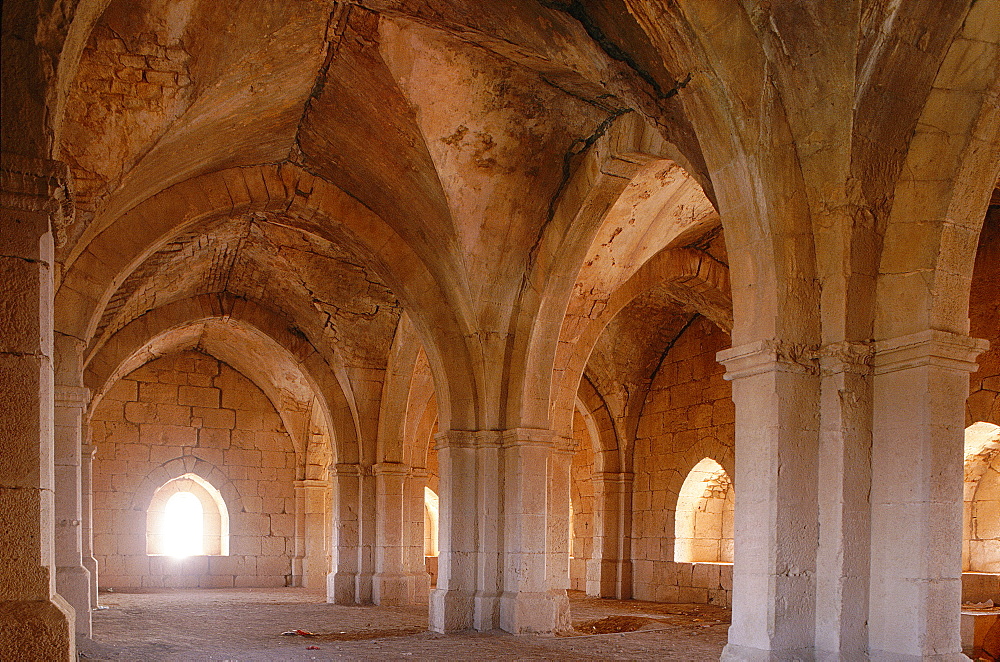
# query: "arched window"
{"points": [[187, 517], [981, 539], [703, 524], [430, 522]]}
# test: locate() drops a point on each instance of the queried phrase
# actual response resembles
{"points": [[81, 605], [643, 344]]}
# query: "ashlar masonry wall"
{"points": [[189, 412], [688, 415]]}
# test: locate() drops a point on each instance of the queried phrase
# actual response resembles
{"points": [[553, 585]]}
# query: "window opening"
{"points": [[187, 516], [183, 525], [703, 522]]}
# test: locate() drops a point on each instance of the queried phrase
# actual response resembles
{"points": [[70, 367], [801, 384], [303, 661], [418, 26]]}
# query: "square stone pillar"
{"points": [[87, 452], [35, 622], [390, 584], [311, 497], [609, 570], [451, 606], [419, 580], [844, 514], [921, 383], [557, 513], [341, 583], [367, 518], [489, 515], [72, 578], [776, 392], [494, 568], [530, 601]]}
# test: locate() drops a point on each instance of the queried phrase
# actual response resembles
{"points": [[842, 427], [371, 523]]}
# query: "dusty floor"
{"points": [[244, 625]]}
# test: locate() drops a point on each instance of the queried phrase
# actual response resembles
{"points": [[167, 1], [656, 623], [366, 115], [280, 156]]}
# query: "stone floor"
{"points": [[244, 625]]}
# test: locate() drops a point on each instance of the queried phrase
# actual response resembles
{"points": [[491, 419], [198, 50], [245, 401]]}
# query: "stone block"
{"points": [[172, 377], [247, 419], [687, 594], [157, 392], [245, 545], [162, 454], [214, 438], [198, 379], [726, 576], [181, 581], [216, 581], [274, 566], [273, 505], [206, 366], [195, 565], [120, 433], [146, 373], [198, 396], [226, 565], [215, 418], [719, 597], [272, 546], [168, 435], [124, 390], [272, 458], [152, 581], [705, 575], [241, 438]]}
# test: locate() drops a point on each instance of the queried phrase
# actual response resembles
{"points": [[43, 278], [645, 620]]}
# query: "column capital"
{"points": [[311, 483], [495, 438], [846, 356], [419, 472], [455, 439], [391, 469], [71, 396], [622, 477], [339, 470], [33, 185], [770, 355], [527, 437], [942, 349]]}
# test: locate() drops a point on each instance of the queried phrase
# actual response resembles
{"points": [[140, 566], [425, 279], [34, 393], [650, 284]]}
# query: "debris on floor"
{"points": [[612, 624]]}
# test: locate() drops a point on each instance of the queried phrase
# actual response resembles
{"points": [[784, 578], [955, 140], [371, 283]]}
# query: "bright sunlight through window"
{"points": [[182, 525]]}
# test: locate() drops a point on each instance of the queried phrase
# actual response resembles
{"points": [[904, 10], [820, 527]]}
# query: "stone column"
{"points": [[557, 544], [366, 535], [530, 603], [35, 622], [844, 515], [72, 578], [775, 389], [341, 583], [87, 452], [451, 605], [413, 537], [920, 385], [609, 570], [299, 554], [489, 512], [494, 569], [314, 496], [390, 582]]}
